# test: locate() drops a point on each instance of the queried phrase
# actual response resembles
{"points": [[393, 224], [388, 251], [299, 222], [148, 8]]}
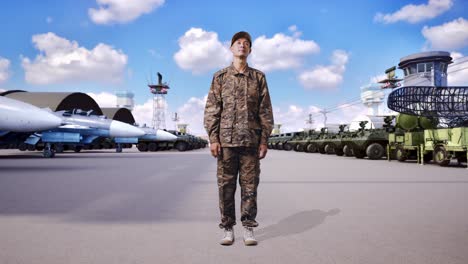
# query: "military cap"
{"points": [[241, 34]]}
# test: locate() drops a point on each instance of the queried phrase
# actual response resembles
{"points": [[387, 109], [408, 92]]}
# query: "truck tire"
{"points": [[23, 147], [328, 149], [287, 146], [401, 154], [348, 151], [375, 151], [299, 148], [311, 148], [181, 146], [152, 147], [441, 156], [142, 147]]}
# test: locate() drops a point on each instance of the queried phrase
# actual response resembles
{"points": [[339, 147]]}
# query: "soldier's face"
{"points": [[241, 48]]}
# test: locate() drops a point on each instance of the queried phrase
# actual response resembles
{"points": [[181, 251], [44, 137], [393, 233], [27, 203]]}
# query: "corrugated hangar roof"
{"points": [[56, 101], [119, 114]]}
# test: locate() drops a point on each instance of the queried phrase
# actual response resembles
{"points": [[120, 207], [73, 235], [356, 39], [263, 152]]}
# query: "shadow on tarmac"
{"points": [[295, 224]]}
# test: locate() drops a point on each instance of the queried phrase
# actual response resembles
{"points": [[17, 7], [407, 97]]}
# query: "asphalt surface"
{"points": [[131, 207]]}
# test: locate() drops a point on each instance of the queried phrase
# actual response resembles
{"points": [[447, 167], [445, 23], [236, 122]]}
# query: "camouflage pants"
{"points": [[242, 161]]}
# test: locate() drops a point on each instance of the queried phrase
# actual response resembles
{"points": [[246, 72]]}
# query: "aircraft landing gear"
{"points": [[118, 148], [48, 151]]}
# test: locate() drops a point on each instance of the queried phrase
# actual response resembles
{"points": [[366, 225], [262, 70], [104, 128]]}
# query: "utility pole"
{"points": [[309, 122], [324, 112]]}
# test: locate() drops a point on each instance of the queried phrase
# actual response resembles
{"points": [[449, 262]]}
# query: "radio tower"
{"points": [[159, 103]]}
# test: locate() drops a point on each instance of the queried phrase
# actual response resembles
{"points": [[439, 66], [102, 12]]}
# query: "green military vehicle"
{"points": [[406, 141], [322, 144], [184, 141], [417, 137], [333, 144], [278, 141], [445, 144], [272, 141], [298, 142], [309, 145], [284, 143], [367, 142]]}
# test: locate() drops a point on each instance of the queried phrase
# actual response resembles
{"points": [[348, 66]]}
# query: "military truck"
{"points": [[367, 142], [272, 141], [278, 141], [417, 137], [322, 143], [311, 145], [184, 141], [444, 144], [406, 140], [284, 143], [333, 144], [298, 142]]}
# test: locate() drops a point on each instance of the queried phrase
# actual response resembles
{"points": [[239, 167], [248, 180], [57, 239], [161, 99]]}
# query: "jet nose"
{"points": [[165, 136], [44, 120], [120, 129]]}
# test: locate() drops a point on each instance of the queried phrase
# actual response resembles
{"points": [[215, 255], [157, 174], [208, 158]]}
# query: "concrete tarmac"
{"points": [[137, 208]]}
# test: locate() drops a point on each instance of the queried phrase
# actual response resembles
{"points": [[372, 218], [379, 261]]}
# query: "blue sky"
{"points": [[316, 54]]}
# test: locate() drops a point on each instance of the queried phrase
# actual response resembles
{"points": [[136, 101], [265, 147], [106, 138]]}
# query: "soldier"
{"points": [[239, 120]]}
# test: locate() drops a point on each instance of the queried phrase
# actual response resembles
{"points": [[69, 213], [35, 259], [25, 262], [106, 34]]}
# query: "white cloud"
{"points": [[326, 77], [143, 113], [293, 29], [192, 113], [201, 51], [4, 69], [281, 51], [121, 11], [458, 70], [61, 60], [104, 99], [416, 13], [449, 36]]}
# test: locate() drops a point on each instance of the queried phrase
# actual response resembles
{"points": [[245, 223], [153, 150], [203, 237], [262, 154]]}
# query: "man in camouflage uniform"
{"points": [[239, 120]]}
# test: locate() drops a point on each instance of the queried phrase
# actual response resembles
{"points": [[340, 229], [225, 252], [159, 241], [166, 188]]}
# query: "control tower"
{"points": [[426, 68], [159, 103], [372, 96]]}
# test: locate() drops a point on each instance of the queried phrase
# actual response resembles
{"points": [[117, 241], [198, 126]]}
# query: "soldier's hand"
{"points": [[262, 151], [215, 149]]}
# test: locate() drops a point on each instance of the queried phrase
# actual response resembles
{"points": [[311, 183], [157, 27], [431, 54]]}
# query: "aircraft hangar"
{"points": [[119, 114], [56, 101]]}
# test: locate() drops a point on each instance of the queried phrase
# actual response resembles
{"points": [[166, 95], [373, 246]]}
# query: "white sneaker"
{"points": [[249, 239], [228, 238]]}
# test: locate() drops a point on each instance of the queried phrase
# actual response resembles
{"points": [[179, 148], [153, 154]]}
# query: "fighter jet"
{"points": [[17, 116], [81, 128]]}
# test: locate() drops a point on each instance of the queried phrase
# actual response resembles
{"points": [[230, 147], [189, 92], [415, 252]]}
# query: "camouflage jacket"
{"points": [[238, 109]]}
